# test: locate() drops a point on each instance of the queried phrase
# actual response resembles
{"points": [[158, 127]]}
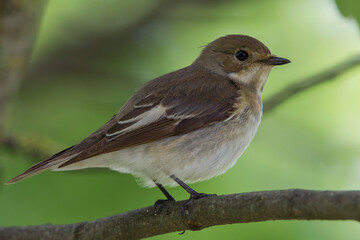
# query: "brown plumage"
{"points": [[206, 93]]}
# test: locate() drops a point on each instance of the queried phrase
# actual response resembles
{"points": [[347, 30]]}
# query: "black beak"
{"points": [[272, 60]]}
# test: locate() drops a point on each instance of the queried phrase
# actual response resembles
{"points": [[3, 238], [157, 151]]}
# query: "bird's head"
{"points": [[241, 58]]}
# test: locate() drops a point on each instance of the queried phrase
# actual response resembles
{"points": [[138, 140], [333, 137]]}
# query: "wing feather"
{"points": [[167, 116]]}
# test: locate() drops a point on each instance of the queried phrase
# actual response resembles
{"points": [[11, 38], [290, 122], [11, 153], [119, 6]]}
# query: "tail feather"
{"points": [[52, 162]]}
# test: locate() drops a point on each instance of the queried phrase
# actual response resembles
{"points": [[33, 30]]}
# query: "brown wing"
{"points": [[166, 112]]}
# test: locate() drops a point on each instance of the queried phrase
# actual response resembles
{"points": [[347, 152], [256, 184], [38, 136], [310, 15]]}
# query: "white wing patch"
{"points": [[141, 120], [143, 105], [147, 103]]}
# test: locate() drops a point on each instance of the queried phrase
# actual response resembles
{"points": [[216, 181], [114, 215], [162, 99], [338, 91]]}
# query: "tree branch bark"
{"points": [[294, 204]]}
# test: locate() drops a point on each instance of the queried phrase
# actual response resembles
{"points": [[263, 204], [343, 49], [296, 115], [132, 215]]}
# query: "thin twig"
{"points": [[292, 204], [302, 85], [35, 148]]}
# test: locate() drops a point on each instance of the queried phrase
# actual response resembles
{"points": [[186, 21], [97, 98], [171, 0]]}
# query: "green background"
{"points": [[311, 141]]}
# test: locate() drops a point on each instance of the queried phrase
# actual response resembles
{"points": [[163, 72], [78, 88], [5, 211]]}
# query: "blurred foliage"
{"points": [[349, 8], [92, 55]]}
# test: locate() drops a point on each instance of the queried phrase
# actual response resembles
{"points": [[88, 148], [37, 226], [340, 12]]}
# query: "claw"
{"points": [[159, 204], [193, 197], [162, 202]]}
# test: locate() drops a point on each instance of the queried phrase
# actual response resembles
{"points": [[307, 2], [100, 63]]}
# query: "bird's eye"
{"points": [[241, 55]]}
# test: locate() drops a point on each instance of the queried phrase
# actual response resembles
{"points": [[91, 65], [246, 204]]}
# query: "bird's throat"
{"points": [[254, 76]]}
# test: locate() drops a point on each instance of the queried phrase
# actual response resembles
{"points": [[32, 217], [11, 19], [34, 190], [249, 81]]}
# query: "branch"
{"points": [[294, 204], [310, 82], [33, 146]]}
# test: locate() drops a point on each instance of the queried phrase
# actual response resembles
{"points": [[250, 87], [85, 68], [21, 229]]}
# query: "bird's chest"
{"points": [[239, 131], [225, 143], [220, 146]]}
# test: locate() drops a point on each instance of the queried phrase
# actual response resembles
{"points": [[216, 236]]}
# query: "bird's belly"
{"points": [[213, 151]]}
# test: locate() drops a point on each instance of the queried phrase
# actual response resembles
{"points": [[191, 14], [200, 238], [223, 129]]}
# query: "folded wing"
{"points": [[166, 111]]}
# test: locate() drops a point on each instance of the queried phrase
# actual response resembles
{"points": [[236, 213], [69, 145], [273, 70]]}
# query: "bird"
{"points": [[182, 127]]}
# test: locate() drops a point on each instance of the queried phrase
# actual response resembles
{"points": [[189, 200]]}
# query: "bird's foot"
{"points": [[159, 204], [163, 201], [194, 196]]}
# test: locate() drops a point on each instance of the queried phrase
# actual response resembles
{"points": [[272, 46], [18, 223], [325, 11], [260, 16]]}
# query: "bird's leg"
{"points": [[193, 194], [166, 193]]}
